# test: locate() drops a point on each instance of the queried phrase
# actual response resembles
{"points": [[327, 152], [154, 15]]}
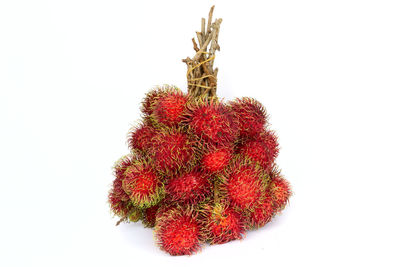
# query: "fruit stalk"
{"points": [[201, 74]]}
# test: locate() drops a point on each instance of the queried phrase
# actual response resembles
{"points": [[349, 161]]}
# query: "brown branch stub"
{"points": [[201, 75]]}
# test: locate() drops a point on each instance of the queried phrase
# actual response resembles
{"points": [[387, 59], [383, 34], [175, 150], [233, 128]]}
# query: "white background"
{"points": [[72, 75]]}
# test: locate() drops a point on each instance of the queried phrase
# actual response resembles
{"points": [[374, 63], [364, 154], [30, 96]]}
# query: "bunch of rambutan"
{"points": [[199, 170]]}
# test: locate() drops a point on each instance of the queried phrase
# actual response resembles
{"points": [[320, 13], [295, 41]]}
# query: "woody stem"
{"points": [[201, 75]]}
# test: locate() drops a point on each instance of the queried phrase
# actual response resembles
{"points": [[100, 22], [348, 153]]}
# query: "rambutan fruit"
{"points": [[166, 206], [119, 170], [178, 231], [190, 187], [142, 184], [279, 189], [211, 121], [151, 99], [215, 159], [119, 201], [262, 149], [118, 206], [170, 107], [139, 138], [243, 183], [250, 114], [261, 214], [173, 150], [223, 223]]}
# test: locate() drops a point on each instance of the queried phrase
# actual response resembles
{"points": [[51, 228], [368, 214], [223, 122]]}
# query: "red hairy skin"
{"points": [[178, 231], [189, 188], [262, 149], [243, 183], [140, 138], [149, 216], [151, 99], [170, 107], [172, 151], [223, 224], [119, 201], [261, 215], [118, 206], [142, 184], [212, 121], [250, 114], [215, 160], [165, 207], [279, 190]]}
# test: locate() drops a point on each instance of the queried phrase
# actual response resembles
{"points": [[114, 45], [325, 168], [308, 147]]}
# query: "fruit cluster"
{"points": [[199, 170]]}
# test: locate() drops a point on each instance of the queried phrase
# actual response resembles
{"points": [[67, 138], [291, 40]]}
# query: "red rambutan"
{"points": [[223, 224], [216, 159], [189, 187], [170, 107], [139, 138], [118, 206], [151, 99], [178, 231], [250, 114], [243, 183], [166, 206], [261, 214], [279, 190], [119, 201], [142, 184], [262, 149], [212, 121], [172, 150]]}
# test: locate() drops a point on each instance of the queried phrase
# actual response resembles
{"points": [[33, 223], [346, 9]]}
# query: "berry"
{"points": [[261, 214], [170, 107], [118, 199], [279, 189], [215, 160], [173, 150], [243, 183], [142, 184], [212, 121], [151, 99], [140, 138], [178, 231], [262, 149], [223, 224], [250, 114], [190, 187]]}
